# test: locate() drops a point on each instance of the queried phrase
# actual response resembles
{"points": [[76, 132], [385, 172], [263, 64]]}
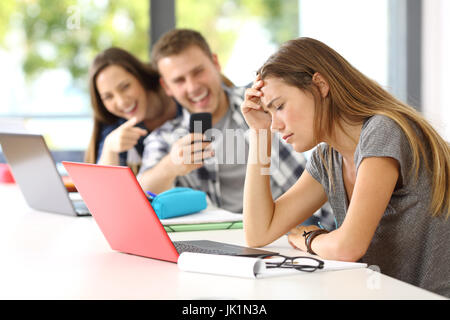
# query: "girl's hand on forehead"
{"points": [[252, 108]]}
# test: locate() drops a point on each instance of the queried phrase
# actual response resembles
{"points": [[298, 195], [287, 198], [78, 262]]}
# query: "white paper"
{"points": [[220, 264], [329, 265], [209, 215], [246, 267], [333, 265]]}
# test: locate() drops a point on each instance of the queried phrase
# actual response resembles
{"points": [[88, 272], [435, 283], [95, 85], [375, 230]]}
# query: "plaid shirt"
{"points": [[286, 164]]}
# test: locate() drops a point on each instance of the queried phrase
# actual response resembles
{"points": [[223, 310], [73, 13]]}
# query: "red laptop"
{"points": [[126, 217]]}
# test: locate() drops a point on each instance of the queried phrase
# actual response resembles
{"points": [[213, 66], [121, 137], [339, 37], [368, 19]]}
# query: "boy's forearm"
{"points": [[159, 178]]}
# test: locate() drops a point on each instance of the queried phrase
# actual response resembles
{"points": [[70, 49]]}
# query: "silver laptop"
{"points": [[35, 172]]}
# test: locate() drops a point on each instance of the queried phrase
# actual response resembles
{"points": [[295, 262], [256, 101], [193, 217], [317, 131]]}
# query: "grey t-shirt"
{"points": [[409, 244], [231, 151]]}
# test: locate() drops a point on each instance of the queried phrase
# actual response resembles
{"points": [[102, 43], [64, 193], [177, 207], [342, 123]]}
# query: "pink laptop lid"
{"points": [[121, 210]]}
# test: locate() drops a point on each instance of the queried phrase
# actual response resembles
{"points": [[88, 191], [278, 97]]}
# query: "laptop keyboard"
{"points": [[80, 208], [186, 247]]}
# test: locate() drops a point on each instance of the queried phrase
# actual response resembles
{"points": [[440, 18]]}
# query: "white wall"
{"points": [[356, 29], [436, 64]]}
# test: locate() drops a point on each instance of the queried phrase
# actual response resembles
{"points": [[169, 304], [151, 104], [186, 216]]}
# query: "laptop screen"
{"points": [[35, 172], [121, 210]]}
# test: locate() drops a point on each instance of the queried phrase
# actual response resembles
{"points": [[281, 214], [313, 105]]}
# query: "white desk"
{"points": [[51, 256]]}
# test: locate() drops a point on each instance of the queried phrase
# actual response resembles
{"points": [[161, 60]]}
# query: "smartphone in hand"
{"points": [[200, 123]]}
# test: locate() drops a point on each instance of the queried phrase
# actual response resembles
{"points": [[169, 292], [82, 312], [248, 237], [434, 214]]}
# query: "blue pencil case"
{"points": [[178, 201]]}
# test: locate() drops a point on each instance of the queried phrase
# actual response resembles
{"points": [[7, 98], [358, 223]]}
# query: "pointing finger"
{"points": [[139, 131], [130, 122]]}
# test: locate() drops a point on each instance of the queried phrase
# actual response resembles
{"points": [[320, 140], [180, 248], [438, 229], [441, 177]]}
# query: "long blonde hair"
{"points": [[353, 98]]}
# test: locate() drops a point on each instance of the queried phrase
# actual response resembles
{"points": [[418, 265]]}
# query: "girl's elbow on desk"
{"points": [[254, 243], [349, 254], [333, 246], [255, 239]]}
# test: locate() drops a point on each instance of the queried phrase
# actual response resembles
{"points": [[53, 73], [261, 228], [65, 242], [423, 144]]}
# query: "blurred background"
{"points": [[46, 47]]}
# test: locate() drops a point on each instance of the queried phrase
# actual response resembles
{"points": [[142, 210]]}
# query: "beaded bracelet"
{"points": [[309, 237]]}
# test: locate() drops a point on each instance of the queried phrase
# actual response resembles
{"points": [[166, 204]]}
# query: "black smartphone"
{"points": [[200, 123]]}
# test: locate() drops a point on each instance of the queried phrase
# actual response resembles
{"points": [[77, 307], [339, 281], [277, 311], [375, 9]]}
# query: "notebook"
{"points": [[36, 174], [251, 267], [211, 218], [127, 219]]}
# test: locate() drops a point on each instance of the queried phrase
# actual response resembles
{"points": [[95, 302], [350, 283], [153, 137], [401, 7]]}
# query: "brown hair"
{"points": [[353, 98], [176, 41], [144, 73]]}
